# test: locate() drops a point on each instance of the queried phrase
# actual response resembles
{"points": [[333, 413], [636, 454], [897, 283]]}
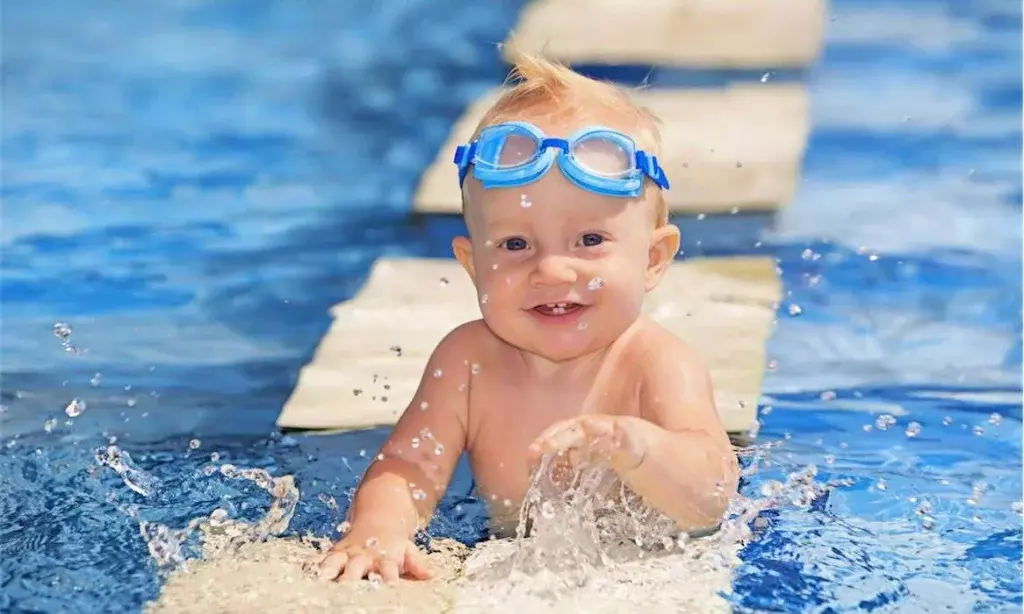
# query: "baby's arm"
{"points": [[399, 492], [689, 469]]}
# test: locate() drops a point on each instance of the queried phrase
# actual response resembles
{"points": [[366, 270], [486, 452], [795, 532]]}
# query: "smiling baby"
{"points": [[563, 197]]}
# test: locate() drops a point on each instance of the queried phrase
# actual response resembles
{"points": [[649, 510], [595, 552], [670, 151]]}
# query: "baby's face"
{"points": [[560, 271]]}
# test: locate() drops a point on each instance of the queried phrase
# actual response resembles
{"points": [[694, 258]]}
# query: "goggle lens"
{"points": [[602, 156]]}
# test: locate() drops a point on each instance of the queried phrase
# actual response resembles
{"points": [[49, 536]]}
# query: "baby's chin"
{"points": [[554, 344]]}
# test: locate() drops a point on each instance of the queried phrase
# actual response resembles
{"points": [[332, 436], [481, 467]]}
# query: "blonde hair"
{"points": [[544, 87]]}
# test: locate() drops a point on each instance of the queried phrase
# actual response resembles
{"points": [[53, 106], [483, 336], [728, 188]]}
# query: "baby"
{"points": [[568, 231]]}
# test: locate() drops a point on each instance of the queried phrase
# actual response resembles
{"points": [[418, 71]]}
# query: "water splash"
{"points": [[217, 534], [583, 528], [120, 461]]}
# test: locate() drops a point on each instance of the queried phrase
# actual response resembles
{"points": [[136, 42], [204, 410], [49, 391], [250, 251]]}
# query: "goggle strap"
{"points": [[463, 158], [649, 165]]}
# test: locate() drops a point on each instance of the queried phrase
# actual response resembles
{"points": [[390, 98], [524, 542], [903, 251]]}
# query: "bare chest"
{"points": [[507, 416]]}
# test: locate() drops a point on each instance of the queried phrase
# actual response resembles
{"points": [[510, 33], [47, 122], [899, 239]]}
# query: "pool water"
{"points": [[189, 186]]}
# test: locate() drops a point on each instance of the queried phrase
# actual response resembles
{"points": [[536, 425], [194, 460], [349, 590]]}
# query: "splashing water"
{"points": [[588, 531], [218, 534], [120, 461]]}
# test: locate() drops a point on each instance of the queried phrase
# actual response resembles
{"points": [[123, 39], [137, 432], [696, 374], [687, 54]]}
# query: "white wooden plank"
{"points": [[367, 367], [699, 33], [738, 147]]}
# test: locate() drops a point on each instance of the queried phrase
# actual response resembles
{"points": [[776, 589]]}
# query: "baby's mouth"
{"points": [[557, 309]]}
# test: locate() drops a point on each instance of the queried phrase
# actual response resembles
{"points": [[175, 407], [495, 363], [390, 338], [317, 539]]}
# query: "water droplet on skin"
{"points": [[415, 442], [484, 298], [418, 494], [507, 503], [438, 373], [884, 421], [439, 450], [595, 284], [913, 429], [424, 406], [581, 325], [795, 310], [194, 444], [995, 418], [494, 267], [524, 201], [372, 542], [475, 369], [49, 424], [344, 527], [75, 408], [380, 457]]}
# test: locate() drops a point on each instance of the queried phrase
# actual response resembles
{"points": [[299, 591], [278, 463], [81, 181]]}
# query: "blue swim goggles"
{"points": [[598, 159]]}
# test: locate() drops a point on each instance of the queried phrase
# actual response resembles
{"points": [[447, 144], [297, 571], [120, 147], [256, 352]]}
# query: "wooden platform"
{"points": [[736, 148], [368, 365], [704, 33]]}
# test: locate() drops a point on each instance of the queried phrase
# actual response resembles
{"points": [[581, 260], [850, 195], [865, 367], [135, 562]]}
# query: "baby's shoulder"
{"points": [[470, 341], [653, 344]]}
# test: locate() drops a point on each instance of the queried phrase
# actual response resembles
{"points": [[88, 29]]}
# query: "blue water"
{"points": [[191, 185]]}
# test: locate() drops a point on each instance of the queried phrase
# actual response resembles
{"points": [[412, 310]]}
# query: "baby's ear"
{"points": [[463, 249], [662, 253]]}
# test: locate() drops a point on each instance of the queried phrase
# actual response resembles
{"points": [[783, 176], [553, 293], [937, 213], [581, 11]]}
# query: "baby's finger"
{"points": [[357, 568], [570, 436], [416, 565], [389, 570], [597, 426], [332, 564]]}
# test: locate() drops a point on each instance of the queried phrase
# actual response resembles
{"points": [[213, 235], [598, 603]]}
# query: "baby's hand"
{"points": [[359, 554], [585, 439]]}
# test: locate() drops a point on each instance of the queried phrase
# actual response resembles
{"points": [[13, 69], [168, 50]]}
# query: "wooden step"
{"points": [[699, 33], [366, 368], [726, 150]]}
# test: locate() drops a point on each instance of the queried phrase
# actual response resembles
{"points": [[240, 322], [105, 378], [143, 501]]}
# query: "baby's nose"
{"points": [[554, 270]]}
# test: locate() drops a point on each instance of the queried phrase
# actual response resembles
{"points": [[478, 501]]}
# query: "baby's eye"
{"points": [[591, 239], [514, 244]]}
